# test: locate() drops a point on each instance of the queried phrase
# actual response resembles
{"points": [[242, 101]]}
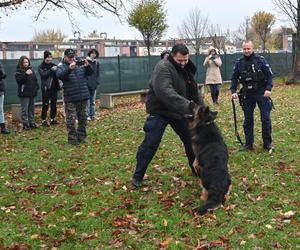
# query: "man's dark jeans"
{"points": [[154, 128], [265, 106]]}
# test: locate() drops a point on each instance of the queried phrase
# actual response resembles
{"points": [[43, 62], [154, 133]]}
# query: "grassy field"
{"points": [[58, 196]]}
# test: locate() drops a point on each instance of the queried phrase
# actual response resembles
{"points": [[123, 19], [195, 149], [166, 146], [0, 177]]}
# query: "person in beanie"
{"points": [[3, 129], [213, 74], [74, 74], [27, 91], [165, 54], [49, 87], [93, 82]]}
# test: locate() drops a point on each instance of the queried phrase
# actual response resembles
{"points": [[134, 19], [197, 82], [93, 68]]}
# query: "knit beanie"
{"points": [[47, 54]]}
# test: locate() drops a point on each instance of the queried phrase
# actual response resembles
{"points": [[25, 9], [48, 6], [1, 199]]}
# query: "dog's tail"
{"points": [[216, 194]]}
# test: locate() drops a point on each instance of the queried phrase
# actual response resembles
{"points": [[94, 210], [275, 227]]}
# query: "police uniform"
{"points": [[255, 75]]}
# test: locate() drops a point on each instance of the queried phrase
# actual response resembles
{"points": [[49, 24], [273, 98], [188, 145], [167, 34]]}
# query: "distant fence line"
{"points": [[132, 73]]}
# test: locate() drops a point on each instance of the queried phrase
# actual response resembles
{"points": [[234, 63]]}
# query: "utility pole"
{"points": [[247, 27]]}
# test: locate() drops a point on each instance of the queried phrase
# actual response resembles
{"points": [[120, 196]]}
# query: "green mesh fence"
{"points": [[132, 73]]}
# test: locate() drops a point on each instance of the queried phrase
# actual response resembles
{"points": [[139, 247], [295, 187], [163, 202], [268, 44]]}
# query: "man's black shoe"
{"points": [[73, 142], [136, 183], [269, 148], [33, 126], [247, 148]]}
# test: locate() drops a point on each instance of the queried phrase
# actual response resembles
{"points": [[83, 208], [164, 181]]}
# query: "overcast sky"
{"points": [[228, 13]]}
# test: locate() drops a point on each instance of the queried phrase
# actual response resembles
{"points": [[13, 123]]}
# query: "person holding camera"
{"points": [[3, 128], [73, 73], [93, 82], [255, 75], [213, 74], [50, 87], [27, 91]]}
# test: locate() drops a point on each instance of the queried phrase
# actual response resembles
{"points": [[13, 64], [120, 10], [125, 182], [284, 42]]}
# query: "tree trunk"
{"points": [[296, 63]]}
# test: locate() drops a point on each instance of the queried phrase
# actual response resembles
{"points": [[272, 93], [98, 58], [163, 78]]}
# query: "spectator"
{"points": [[3, 128], [255, 74], [50, 87], [213, 74], [172, 87], [93, 82], [74, 74], [27, 91], [165, 54]]}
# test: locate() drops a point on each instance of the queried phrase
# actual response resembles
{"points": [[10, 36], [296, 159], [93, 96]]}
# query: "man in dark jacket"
{"points": [[172, 87], [50, 87], [3, 128], [76, 94], [255, 74]]}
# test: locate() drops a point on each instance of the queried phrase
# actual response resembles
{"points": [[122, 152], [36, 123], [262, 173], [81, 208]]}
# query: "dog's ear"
{"points": [[202, 109], [207, 109], [213, 114], [193, 105]]}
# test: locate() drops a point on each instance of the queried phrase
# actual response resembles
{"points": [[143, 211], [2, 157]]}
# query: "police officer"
{"points": [[255, 75]]}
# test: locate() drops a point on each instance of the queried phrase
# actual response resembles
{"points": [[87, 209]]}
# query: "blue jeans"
{"points": [[2, 120], [214, 92], [265, 106], [154, 128], [91, 111]]}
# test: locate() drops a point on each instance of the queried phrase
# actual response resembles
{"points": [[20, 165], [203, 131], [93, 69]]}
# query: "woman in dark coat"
{"points": [[93, 82], [27, 91], [49, 87]]}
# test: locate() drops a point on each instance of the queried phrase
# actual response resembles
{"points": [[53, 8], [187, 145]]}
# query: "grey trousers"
{"points": [[27, 110]]}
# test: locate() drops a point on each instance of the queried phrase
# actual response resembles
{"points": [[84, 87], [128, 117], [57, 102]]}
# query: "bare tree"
{"points": [[194, 28], [290, 8], [219, 36], [244, 32], [86, 7]]}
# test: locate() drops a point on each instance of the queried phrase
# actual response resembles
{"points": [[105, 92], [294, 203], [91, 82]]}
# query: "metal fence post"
{"points": [[225, 61], [119, 73]]}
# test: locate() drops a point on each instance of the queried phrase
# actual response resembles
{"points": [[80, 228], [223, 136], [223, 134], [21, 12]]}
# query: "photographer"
{"points": [[73, 73], [50, 87], [213, 74], [255, 74], [27, 91]]}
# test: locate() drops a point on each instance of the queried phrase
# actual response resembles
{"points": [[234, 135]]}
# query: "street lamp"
{"points": [[77, 39], [77, 35], [103, 35]]}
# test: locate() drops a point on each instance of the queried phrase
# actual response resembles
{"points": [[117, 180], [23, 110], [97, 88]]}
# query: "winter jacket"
{"points": [[2, 77], [74, 82], [171, 89], [213, 64], [262, 65], [48, 76], [93, 79], [27, 84]]}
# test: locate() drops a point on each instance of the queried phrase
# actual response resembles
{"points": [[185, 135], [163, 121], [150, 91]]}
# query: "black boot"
{"points": [[4, 130]]}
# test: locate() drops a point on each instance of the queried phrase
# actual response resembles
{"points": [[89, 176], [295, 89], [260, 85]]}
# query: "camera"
{"points": [[79, 61]]}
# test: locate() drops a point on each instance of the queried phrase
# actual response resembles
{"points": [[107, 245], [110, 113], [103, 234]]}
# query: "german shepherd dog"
{"points": [[211, 158]]}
